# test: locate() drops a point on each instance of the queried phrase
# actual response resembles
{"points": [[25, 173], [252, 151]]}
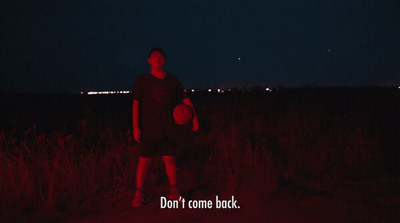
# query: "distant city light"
{"points": [[219, 90], [107, 92]]}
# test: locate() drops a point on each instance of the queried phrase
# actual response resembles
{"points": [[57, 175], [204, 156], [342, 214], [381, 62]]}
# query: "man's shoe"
{"points": [[138, 200], [174, 194]]}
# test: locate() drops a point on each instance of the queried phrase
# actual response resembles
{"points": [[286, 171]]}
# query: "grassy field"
{"points": [[62, 153]]}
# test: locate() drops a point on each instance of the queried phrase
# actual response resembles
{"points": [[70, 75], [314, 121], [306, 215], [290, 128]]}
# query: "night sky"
{"points": [[72, 46]]}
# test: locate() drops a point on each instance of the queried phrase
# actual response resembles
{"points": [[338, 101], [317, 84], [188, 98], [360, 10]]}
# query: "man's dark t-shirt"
{"points": [[158, 98]]}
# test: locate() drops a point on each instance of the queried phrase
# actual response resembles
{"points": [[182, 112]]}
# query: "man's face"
{"points": [[156, 60]]}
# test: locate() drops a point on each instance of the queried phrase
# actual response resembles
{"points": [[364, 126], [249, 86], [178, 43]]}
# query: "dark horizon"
{"points": [[228, 90]]}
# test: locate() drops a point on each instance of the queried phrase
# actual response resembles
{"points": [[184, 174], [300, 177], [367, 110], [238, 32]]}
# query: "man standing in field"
{"points": [[155, 96]]}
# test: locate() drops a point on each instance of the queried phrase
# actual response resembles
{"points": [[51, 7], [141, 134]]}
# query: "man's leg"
{"points": [[141, 172], [170, 167]]}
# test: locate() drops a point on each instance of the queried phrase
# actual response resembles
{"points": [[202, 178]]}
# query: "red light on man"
{"points": [[155, 96]]}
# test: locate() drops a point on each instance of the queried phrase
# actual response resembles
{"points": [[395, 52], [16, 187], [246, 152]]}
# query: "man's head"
{"points": [[157, 49], [156, 58]]}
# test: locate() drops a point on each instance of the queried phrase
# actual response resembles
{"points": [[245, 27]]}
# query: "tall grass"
{"points": [[59, 172], [245, 141]]}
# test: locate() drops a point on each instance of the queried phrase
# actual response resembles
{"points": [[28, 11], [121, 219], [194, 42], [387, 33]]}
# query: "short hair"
{"points": [[158, 49]]}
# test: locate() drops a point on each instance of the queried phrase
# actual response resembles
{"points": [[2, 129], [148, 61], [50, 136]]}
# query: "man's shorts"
{"points": [[154, 147]]}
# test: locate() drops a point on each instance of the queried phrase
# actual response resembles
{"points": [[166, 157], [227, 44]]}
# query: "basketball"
{"points": [[183, 114]]}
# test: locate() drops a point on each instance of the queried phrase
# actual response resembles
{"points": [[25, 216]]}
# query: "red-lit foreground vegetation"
{"points": [[61, 154]]}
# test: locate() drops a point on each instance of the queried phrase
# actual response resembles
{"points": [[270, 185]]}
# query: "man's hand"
{"points": [[195, 123], [137, 134]]}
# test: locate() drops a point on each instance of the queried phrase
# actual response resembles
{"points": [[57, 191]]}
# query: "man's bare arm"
{"points": [[195, 120], [135, 120]]}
